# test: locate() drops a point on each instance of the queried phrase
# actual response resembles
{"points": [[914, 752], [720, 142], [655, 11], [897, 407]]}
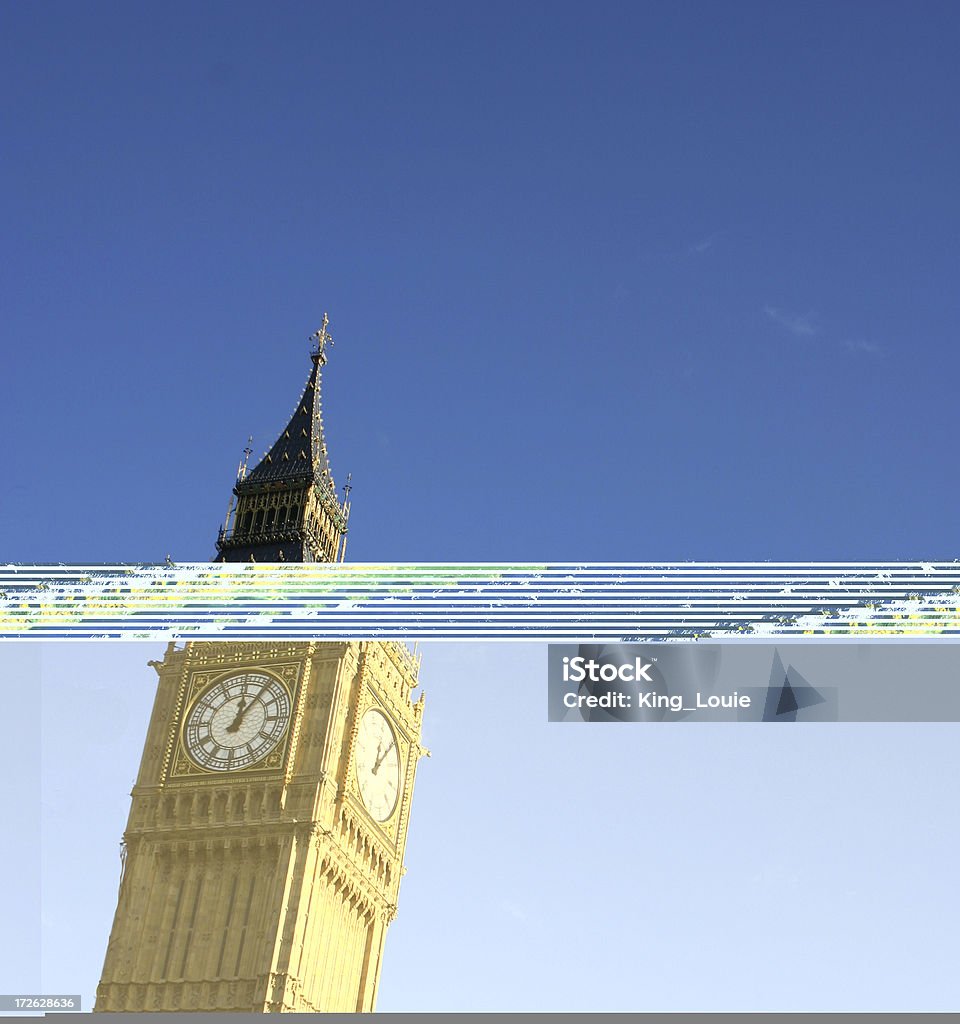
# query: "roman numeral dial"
{"points": [[236, 722]]}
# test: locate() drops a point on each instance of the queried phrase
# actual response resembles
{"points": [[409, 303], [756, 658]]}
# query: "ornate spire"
{"points": [[287, 505]]}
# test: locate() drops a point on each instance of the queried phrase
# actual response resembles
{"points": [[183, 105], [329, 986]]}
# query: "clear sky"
{"points": [[607, 281], [566, 867]]}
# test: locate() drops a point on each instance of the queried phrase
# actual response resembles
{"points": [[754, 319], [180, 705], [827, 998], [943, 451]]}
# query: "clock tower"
{"points": [[264, 847]]}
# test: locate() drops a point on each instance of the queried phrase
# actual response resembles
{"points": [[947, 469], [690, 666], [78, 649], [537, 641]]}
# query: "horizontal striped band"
{"points": [[628, 601]]}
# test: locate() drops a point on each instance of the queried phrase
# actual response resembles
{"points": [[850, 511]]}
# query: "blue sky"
{"points": [[608, 282]]}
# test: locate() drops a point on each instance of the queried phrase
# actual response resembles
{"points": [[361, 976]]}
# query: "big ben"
{"points": [[264, 846]]}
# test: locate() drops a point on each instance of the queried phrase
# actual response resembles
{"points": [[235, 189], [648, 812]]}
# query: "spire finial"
{"points": [[320, 338], [247, 452]]}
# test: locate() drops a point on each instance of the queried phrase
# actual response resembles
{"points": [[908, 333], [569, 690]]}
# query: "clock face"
{"points": [[237, 721], [378, 765]]}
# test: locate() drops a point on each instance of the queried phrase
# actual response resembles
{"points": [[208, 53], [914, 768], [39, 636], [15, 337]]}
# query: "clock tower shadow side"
{"points": [[264, 847]]}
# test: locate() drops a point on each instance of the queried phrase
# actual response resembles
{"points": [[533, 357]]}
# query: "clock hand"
{"points": [[243, 708], [379, 760]]}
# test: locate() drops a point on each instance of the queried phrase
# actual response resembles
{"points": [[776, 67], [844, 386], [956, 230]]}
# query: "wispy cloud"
{"points": [[683, 251], [801, 326], [866, 347], [702, 245], [515, 911], [805, 326]]}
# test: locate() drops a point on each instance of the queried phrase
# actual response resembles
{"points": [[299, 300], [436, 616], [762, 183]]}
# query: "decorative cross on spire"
{"points": [[320, 338]]}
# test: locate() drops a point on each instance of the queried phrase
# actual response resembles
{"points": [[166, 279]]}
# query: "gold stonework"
{"points": [[268, 887]]}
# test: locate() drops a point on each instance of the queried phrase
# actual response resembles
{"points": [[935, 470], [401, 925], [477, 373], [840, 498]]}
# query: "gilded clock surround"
{"points": [[181, 764], [236, 722]]}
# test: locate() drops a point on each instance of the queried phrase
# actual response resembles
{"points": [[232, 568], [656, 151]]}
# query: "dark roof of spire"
{"points": [[300, 451]]}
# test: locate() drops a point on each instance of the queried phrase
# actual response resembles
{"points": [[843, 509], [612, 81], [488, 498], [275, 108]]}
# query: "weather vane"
{"points": [[320, 338]]}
